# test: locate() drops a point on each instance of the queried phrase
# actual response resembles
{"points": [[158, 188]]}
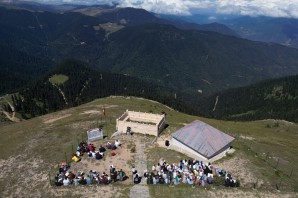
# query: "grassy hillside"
{"points": [[275, 99], [42, 142]]}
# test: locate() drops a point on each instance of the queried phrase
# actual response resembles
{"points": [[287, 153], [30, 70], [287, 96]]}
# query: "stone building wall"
{"points": [[145, 123]]}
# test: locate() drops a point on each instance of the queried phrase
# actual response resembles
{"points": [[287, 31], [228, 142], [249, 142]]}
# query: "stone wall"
{"points": [[145, 123]]}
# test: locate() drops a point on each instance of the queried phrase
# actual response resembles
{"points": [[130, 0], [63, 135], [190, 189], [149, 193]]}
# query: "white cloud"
{"points": [[180, 7], [274, 8]]}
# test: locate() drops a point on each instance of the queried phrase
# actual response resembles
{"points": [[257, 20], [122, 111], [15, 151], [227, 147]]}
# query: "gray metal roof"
{"points": [[202, 138]]}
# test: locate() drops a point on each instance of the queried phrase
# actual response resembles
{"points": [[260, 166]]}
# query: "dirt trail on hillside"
{"points": [[51, 120], [12, 117]]}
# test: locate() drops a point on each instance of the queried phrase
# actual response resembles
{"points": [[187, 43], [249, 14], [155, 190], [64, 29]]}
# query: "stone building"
{"points": [[139, 122]]}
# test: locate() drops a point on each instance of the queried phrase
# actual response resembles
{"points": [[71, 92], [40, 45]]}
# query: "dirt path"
{"points": [[61, 92], [7, 114], [140, 190]]}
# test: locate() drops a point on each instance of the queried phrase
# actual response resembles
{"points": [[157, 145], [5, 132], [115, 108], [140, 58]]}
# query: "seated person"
{"points": [[189, 181], [209, 180], [102, 149], [137, 179], [117, 143], [76, 158], [82, 181], [88, 180], [90, 154], [154, 180], [91, 147], [161, 180], [76, 181], [78, 153], [94, 174], [58, 180], [106, 180], [121, 175], [98, 156], [71, 176], [109, 145], [202, 183], [66, 181], [176, 180]]}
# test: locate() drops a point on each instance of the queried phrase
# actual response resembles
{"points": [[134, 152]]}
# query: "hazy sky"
{"points": [[275, 8]]}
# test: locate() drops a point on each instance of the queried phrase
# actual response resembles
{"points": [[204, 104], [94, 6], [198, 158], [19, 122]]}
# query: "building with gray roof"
{"points": [[202, 140]]}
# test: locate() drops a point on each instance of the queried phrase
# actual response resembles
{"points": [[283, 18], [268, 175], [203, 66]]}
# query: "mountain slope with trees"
{"points": [[277, 99], [192, 60], [82, 84], [192, 63]]}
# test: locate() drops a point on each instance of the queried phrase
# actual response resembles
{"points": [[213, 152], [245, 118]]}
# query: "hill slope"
{"points": [[44, 141], [73, 83], [277, 99]]}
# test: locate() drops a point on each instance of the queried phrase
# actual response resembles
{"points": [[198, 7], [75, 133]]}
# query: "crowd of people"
{"points": [[90, 149], [192, 172], [66, 177]]}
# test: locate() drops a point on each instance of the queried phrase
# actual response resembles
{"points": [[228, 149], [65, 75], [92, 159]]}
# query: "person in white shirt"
{"points": [[66, 181], [117, 143]]}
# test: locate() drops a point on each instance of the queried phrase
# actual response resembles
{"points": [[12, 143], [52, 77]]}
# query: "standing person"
{"points": [[146, 175]]}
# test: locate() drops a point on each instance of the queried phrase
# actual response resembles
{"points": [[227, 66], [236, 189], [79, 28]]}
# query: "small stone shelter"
{"points": [[139, 122]]}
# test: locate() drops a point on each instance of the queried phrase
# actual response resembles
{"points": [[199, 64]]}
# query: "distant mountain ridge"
{"points": [[192, 60], [266, 29]]}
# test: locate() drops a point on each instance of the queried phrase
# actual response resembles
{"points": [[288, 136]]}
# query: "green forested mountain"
{"points": [[192, 63], [192, 60], [277, 99], [72, 83], [18, 67], [31, 42]]}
